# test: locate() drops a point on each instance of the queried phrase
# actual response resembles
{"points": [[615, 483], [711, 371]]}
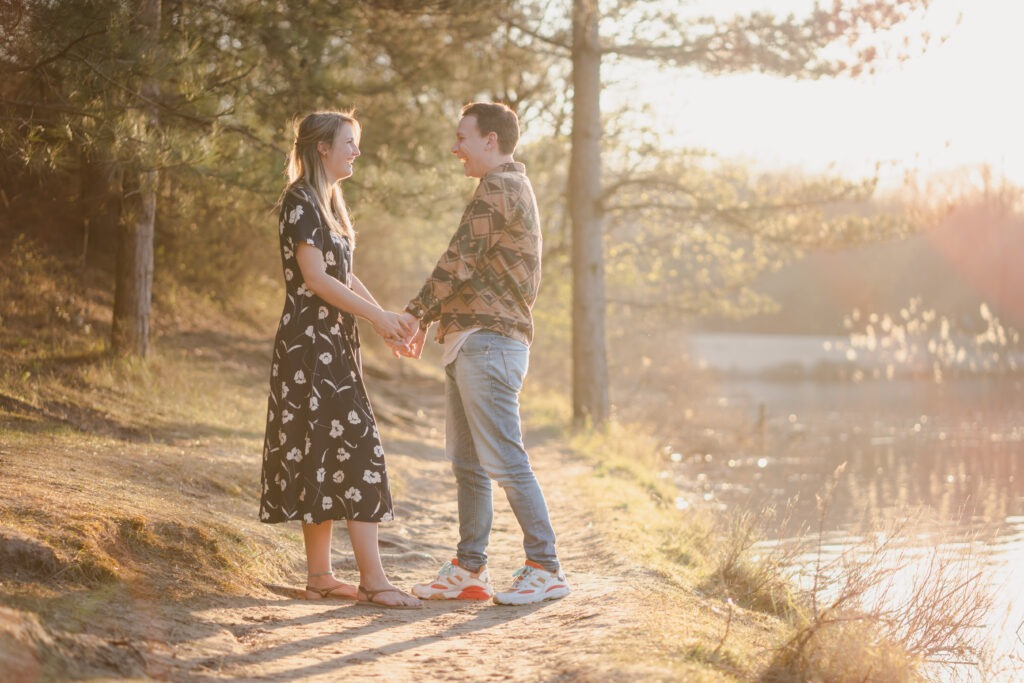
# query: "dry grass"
{"points": [[753, 575], [121, 475], [671, 553], [628, 482], [858, 619], [162, 516], [861, 618]]}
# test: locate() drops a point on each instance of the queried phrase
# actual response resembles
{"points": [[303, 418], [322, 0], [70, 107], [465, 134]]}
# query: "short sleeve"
{"points": [[301, 220]]}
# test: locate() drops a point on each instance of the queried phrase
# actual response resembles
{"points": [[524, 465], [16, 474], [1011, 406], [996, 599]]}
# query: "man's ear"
{"points": [[492, 140]]}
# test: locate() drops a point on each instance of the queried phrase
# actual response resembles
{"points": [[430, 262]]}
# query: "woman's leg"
{"points": [[371, 571], [318, 561]]}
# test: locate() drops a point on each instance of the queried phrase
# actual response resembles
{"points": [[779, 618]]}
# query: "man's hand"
{"points": [[413, 348]]}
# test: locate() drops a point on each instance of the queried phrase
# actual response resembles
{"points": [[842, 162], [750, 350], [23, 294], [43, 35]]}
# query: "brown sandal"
{"points": [[370, 595], [326, 593]]}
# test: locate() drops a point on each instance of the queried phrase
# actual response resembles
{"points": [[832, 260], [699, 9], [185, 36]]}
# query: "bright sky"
{"points": [[959, 103]]}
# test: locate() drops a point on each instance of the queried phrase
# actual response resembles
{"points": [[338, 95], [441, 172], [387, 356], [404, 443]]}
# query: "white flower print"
{"points": [[284, 390], [343, 455], [273, 370], [295, 214], [302, 495], [300, 377], [353, 417], [376, 434], [288, 274], [307, 518], [281, 437], [338, 477], [314, 403], [326, 358], [280, 227], [320, 474], [286, 318], [336, 330], [286, 416], [264, 515], [387, 517], [288, 253], [301, 291], [294, 454], [310, 333], [371, 477], [322, 313], [327, 502], [308, 444], [270, 418], [353, 494], [336, 429], [329, 259], [282, 483], [378, 450]]}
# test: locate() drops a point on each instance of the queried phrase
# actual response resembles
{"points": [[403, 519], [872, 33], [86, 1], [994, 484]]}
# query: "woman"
{"points": [[322, 455]]}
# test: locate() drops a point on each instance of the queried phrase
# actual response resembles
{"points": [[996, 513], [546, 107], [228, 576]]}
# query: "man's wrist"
{"points": [[415, 310]]}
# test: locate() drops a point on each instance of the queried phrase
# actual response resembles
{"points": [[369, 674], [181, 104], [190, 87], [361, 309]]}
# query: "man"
{"points": [[481, 293]]}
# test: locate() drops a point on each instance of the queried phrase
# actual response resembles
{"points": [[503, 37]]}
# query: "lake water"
{"points": [[953, 452]]}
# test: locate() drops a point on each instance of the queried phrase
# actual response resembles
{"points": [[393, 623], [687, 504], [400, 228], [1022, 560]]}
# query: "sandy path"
{"points": [[272, 637]]}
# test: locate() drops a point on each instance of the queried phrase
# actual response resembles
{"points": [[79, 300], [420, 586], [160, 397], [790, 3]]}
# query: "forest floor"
{"points": [[130, 549]]}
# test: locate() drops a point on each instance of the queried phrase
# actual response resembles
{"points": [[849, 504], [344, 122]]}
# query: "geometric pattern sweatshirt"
{"points": [[490, 273]]}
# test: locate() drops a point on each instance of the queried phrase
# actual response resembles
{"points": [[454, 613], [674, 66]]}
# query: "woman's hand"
{"points": [[392, 328]]}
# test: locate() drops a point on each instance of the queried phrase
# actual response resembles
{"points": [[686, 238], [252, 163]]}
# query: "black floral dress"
{"points": [[322, 455]]}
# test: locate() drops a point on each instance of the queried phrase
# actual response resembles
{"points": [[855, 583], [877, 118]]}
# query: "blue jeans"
{"points": [[484, 441]]}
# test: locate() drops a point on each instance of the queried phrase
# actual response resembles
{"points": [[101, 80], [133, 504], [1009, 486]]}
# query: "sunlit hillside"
{"points": [[971, 257]]}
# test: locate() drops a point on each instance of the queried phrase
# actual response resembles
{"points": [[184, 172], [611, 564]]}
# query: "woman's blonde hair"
{"points": [[305, 164]]}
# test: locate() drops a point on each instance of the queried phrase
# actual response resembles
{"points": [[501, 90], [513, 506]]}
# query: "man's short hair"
{"points": [[494, 117]]}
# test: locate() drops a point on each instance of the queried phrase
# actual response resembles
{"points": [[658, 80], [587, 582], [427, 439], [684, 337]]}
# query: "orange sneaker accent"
{"points": [[455, 583], [474, 593]]}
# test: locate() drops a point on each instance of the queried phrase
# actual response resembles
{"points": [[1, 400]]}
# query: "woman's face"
{"points": [[338, 159]]}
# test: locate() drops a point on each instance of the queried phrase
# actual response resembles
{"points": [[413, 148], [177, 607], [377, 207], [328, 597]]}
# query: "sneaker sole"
{"points": [[514, 599], [472, 593]]}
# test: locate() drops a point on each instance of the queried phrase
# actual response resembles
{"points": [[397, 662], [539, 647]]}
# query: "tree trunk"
{"points": [[133, 293], [590, 366]]}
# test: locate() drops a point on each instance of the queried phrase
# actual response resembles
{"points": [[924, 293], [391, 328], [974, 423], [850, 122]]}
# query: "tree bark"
{"points": [[133, 293], [590, 365]]}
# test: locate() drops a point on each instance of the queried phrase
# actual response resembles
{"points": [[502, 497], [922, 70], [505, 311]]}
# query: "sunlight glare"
{"points": [[956, 105]]}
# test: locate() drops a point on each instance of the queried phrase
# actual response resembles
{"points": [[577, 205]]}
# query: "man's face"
{"points": [[472, 148]]}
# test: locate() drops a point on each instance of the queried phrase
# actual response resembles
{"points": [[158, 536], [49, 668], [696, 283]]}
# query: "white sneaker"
{"points": [[455, 583], [533, 584]]}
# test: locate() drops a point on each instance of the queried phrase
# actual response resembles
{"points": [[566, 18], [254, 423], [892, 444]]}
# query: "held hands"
{"points": [[413, 348], [395, 328], [401, 332]]}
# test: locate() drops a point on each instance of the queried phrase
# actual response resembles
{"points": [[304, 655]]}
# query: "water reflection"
{"points": [[954, 451]]}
